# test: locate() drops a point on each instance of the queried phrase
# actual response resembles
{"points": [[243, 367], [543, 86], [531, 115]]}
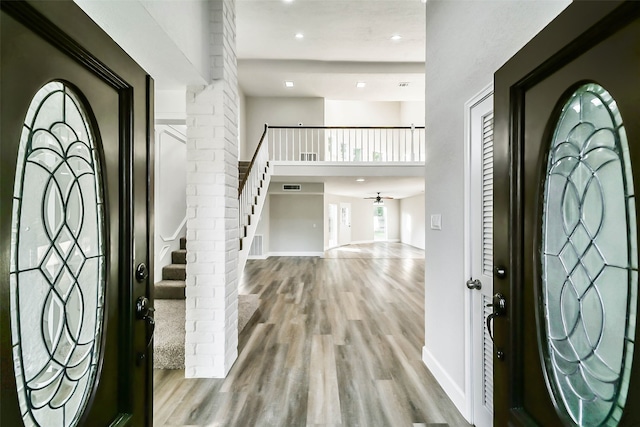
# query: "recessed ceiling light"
{"points": [[299, 35], [287, 1], [288, 84], [361, 84], [396, 37], [360, 179]]}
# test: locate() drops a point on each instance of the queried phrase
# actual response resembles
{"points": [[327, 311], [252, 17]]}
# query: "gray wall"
{"points": [[278, 112], [296, 223], [412, 221], [467, 41]]}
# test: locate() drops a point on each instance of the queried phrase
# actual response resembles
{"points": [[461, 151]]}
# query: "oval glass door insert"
{"points": [[57, 259], [589, 260]]}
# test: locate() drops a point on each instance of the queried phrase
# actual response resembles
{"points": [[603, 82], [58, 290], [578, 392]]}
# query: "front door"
{"points": [[75, 114], [567, 163]]}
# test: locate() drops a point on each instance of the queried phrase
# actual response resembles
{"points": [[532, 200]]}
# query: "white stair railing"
{"points": [[251, 196], [347, 144]]}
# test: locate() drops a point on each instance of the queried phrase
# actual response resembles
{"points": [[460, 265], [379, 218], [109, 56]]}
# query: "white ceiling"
{"points": [[345, 41]]}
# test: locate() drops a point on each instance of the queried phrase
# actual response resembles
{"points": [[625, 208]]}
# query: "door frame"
{"points": [[486, 92], [88, 45], [580, 26]]}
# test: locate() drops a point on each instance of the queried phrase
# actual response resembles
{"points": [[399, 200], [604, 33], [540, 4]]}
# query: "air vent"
{"points": [[403, 84], [308, 157], [291, 187]]}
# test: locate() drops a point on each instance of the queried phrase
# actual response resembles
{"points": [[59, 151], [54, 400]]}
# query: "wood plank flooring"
{"points": [[336, 341]]}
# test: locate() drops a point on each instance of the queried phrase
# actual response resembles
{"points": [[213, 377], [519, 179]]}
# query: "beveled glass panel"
{"points": [[57, 260], [589, 266]]}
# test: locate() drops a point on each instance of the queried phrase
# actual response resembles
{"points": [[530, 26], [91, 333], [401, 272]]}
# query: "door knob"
{"points": [[474, 284]]}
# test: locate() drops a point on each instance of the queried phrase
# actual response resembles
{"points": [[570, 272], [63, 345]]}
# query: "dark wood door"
{"points": [[75, 132], [567, 161]]}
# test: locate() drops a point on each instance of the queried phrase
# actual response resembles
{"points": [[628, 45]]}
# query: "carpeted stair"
{"points": [[168, 346]]}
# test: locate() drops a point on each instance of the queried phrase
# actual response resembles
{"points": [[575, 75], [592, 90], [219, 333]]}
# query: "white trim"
{"points": [[312, 254], [258, 257], [467, 408], [363, 242], [449, 386]]}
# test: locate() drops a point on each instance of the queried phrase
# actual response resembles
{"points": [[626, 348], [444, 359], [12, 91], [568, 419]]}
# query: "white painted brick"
{"points": [[212, 211], [199, 337], [212, 234], [209, 303], [200, 177], [200, 291], [190, 326], [198, 314], [210, 280], [190, 349], [193, 155], [212, 156], [208, 166], [207, 372], [208, 349], [197, 109], [199, 200], [197, 268], [191, 280], [210, 326]]}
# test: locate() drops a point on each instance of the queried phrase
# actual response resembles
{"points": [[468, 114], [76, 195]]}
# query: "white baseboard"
{"points": [[316, 254], [363, 242], [455, 393], [258, 257]]}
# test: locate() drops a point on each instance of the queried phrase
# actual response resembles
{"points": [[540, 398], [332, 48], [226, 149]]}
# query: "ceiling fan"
{"points": [[378, 200]]}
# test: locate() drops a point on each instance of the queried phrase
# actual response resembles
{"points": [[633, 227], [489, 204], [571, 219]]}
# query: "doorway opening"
{"points": [[332, 226], [379, 223]]}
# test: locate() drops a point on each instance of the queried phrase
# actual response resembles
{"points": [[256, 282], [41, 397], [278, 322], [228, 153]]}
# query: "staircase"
{"points": [[170, 298], [174, 275], [256, 185], [168, 346]]}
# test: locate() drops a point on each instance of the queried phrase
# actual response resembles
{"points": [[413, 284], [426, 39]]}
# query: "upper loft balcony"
{"points": [[305, 151]]}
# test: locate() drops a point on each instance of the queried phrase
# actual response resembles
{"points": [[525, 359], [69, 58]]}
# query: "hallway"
{"points": [[336, 341]]}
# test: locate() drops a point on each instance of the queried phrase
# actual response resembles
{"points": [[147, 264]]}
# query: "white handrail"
{"points": [[248, 192], [346, 144]]}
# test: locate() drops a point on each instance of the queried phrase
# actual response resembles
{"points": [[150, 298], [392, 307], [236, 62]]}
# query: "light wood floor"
{"points": [[336, 341]]}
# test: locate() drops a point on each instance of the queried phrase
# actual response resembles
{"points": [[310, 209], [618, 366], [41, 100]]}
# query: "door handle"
{"points": [[474, 284], [144, 311], [499, 305]]}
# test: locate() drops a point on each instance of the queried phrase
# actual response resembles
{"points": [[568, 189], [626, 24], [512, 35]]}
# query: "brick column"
{"points": [[212, 207]]}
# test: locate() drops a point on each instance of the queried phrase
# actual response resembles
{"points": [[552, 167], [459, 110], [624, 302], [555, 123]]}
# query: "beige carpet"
{"points": [[169, 335]]}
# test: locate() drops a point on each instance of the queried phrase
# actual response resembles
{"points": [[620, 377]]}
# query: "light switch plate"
{"points": [[436, 222]]}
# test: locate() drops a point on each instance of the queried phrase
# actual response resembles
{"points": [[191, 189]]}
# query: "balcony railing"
{"points": [[346, 144]]}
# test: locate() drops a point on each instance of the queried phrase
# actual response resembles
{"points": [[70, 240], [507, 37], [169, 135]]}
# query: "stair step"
{"points": [[179, 256], [169, 289], [183, 243], [174, 272]]}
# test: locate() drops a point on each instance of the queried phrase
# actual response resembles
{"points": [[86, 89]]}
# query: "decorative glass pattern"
{"points": [[57, 260], [589, 260]]}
